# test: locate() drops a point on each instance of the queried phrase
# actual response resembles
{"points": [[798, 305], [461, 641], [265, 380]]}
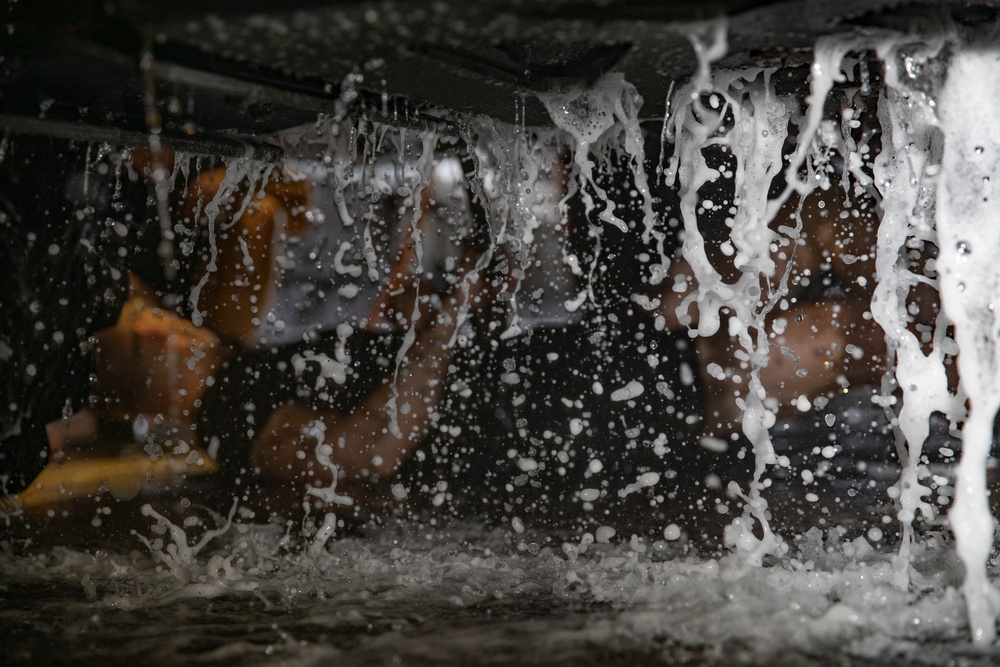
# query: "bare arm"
{"points": [[363, 442]]}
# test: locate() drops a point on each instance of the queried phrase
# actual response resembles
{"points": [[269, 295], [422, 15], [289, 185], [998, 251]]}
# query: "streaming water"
{"points": [[969, 289], [427, 589], [243, 172]]}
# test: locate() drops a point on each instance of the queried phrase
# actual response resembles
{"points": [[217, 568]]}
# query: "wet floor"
{"points": [[469, 593]]}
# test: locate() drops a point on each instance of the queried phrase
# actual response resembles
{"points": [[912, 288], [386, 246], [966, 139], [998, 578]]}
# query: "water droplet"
{"points": [[979, 150], [963, 248]]}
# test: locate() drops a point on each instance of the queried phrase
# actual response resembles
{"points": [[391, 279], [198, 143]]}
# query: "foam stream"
{"points": [[906, 173], [970, 288]]}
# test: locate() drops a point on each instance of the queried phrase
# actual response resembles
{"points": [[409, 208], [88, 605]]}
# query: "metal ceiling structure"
{"points": [[214, 78]]}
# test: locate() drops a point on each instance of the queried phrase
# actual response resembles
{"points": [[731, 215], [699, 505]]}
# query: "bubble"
{"points": [[604, 534]]}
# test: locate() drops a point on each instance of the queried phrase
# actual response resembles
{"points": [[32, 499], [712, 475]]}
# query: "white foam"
{"points": [[970, 286]]}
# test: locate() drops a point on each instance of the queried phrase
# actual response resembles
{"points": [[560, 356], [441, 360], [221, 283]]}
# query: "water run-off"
{"points": [[426, 590]]}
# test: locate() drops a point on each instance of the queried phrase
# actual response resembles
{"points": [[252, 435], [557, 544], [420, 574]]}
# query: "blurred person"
{"points": [[822, 336], [69, 213], [827, 358], [329, 327]]}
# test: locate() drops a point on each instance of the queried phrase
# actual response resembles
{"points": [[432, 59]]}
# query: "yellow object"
{"points": [[121, 476]]}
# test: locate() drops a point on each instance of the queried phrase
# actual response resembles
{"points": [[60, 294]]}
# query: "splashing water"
{"points": [[752, 122], [939, 150], [755, 137], [253, 172], [178, 555], [906, 174], [259, 599], [969, 290]]}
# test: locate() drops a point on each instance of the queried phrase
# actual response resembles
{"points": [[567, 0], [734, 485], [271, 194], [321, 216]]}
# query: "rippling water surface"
{"points": [[467, 594]]}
